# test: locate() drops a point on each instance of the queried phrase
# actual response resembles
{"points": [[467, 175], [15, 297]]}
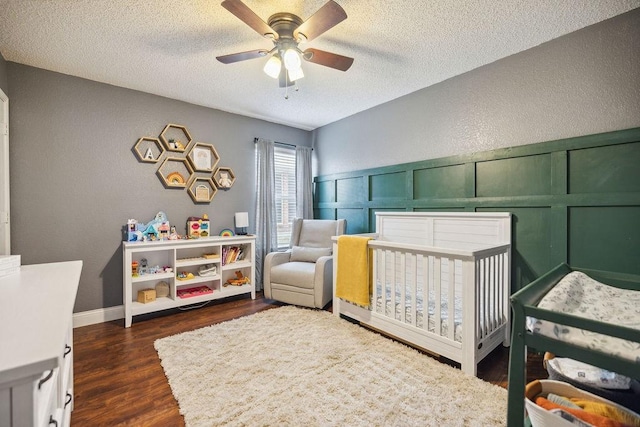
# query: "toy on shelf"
{"points": [[146, 295], [240, 280], [193, 292], [156, 229], [134, 268], [173, 235], [226, 232], [143, 267], [162, 289], [198, 227], [184, 275], [208, 270]]}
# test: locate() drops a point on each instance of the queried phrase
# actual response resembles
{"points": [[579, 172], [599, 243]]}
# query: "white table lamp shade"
{"points": [[242, 219]]}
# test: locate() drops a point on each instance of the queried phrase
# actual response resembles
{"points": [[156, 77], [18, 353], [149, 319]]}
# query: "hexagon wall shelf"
{"points": [[185, 164], [148, 149], [175, 172], [175, 138], [224, 178], [202, 190], [203, 157]]}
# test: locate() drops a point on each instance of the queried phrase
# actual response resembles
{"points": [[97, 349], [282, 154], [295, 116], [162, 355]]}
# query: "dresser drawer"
{"points": [[65, 361], [45, 397]]}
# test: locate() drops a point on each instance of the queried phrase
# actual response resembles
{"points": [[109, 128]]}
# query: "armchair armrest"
{"points": [[276, 258], [272, 259], [324, 275]]}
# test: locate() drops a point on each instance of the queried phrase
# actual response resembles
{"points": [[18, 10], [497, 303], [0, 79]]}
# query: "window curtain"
{"points": [[304, 184], [266, 231]]}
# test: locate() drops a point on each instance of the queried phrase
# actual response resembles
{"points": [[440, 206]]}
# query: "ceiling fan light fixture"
{"points": [[291, 59], [272, 67], [295, 74]]}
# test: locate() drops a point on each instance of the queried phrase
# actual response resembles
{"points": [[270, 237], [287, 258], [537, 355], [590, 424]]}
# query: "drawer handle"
{"points": [[69, 399], [52, 421], [45, 379], [67, 350]]}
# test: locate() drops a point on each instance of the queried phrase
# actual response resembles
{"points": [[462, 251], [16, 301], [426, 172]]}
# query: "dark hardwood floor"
{"points": [[119, 380]]}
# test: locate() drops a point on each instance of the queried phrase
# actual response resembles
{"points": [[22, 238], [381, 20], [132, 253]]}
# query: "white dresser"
{"points": [[36, 344]]}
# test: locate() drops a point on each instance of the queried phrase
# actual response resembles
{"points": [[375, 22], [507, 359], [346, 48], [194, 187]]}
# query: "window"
{"points": [[285, 169]]}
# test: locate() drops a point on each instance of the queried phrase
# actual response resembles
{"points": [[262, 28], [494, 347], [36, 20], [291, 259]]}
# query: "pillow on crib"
{"points": [[302, 254]]}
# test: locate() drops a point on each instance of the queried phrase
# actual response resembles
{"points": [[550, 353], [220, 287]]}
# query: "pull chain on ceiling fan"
{"points": [[287, 31]]}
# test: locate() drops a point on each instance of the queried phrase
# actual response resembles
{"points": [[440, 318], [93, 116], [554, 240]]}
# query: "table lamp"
{"points": [[242, 222]]}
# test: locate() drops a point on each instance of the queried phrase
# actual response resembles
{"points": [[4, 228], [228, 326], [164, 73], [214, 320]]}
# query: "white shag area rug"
{"points": [[295, 366]]}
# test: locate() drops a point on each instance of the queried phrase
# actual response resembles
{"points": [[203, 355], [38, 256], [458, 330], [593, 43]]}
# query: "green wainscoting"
{"points": [[574, 200]]}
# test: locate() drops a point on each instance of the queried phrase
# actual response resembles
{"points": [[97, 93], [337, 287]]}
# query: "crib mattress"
{"points": [[580, 295], [395, 312]]}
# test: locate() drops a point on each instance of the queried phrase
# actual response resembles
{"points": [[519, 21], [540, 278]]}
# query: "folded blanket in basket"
{"points": [[353, 282], [593, 419]]}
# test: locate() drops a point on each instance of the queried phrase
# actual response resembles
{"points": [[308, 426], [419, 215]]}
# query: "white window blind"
{"points": [[285, 169]]}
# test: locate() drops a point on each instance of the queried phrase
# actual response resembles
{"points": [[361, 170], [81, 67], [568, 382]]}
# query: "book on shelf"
{"points": [[231, 254]]}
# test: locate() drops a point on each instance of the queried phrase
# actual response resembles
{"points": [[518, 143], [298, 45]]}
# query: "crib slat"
{"points": [[437, 283], [425, 292], [451, 305], [503, 293], [414, 289], [394, 258], [496, 291], [376, 279], [383, 282], [403, 286], [476, 302], [485, 298]]}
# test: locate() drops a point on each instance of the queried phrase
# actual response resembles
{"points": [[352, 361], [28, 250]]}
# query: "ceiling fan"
{"points": [[287, 31]]}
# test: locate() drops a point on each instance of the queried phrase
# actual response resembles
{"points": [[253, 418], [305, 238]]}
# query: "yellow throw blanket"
{"points": [[353, 282]]}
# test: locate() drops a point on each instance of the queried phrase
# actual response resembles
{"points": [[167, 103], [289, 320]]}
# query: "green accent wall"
{"points": [[574, 200]]}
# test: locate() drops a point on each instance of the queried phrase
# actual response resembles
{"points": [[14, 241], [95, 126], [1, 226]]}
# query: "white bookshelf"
{"points": [[185, 256]]}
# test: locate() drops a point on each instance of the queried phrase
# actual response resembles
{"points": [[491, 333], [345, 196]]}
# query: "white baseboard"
{"points": [[101, 315]]}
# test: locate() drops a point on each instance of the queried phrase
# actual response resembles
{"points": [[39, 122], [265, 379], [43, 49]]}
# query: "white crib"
{"points": [[440, 282]]}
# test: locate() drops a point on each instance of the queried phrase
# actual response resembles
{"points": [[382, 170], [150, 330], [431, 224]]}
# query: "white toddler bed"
{"points": [[440, 282]]}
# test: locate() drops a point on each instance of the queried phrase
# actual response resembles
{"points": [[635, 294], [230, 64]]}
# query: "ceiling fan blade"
{"points": [[328, 16], [242, 56], [328, 59], [248, 16]]}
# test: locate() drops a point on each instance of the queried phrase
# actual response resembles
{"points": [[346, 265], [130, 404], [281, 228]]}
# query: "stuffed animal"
{"points": [[240, 280]]}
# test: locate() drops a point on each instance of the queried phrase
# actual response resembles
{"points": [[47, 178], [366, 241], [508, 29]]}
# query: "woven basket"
{"points": [[540, 417], [630, 399]]}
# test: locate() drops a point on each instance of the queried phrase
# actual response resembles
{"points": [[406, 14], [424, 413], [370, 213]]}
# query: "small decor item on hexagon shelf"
{"points": [[198, 227], [162, 289], [175, 178], [202, 193], [225, 181], [176, 144]]}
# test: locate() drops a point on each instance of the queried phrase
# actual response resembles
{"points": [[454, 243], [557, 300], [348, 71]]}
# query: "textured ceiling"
{"points": [[168, 47]]}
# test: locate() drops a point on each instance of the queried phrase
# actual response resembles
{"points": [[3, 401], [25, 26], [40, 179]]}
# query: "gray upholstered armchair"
{"points": [[303, 275]]}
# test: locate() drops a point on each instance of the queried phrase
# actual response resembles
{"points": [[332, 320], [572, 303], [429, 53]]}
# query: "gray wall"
{"points": [[3, 75], [75, 180], [583, 83]]}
